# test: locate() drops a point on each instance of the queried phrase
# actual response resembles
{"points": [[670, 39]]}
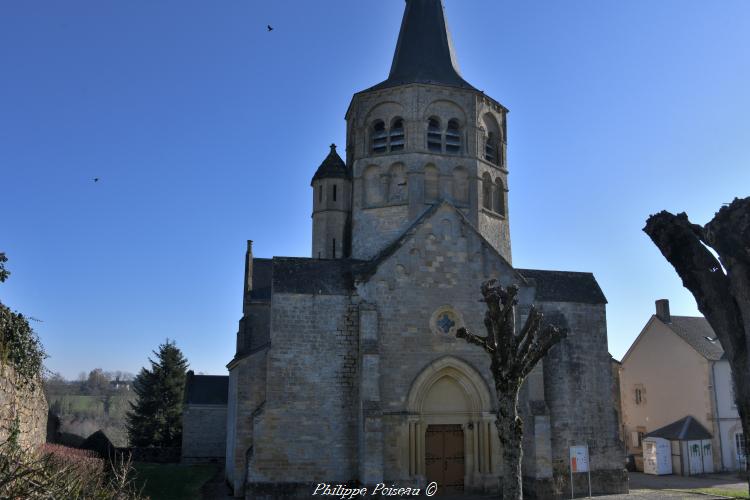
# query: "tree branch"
{"points": [[679, 242], [545, 340], [462, 333]]}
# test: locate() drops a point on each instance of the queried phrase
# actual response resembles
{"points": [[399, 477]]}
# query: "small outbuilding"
{"points": [[204, 418], [657, 456], [689, 447]]}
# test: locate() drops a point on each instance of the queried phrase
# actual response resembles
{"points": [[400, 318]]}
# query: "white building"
{"points": [[676, 368]]}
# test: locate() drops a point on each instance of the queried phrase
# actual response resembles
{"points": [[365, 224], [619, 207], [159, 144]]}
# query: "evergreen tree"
{"points": [[155, 418]]}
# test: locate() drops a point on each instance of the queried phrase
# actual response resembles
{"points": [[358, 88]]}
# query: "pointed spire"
{"points": [[332, 167], [424, 53]]}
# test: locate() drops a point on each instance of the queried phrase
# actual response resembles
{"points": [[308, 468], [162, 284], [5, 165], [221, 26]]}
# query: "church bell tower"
{"points": [[424, 136]]}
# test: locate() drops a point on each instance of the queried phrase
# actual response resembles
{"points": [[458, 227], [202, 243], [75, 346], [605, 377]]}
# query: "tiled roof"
{"points": [[564, 286], [685, 429], [206, 389], [696, 331], [313, 276]]}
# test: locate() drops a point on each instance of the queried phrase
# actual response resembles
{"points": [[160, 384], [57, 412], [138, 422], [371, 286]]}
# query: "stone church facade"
{"points": [[347, 368]]}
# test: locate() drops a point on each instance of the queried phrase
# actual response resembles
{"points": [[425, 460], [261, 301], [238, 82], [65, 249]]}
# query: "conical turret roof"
{"points": [[424, 53], [333, 167]]}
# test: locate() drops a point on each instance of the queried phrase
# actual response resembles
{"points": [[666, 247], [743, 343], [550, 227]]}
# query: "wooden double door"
{"points": [[444, 457]]}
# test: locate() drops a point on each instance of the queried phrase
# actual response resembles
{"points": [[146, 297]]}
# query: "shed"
{"points": [[204, 418], [657, 456], [690, 445]]}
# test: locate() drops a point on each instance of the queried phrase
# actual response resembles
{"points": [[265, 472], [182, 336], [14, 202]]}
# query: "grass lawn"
{"points": [[719, 492], [173, 481]]}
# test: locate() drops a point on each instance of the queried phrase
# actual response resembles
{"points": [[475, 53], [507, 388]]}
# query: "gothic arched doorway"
{"points": [[452, 437]]}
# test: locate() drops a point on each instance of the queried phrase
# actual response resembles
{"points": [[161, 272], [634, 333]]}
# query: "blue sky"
{"points": [[205, 130]]}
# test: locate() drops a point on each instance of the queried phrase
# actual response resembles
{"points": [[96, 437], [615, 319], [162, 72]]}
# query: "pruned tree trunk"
{"points": [[510, 431], [721, 287], [513, 356]]}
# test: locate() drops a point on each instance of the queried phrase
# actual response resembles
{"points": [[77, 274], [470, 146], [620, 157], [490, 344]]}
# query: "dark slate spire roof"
{"points": [[333, 167], [424, 53]]}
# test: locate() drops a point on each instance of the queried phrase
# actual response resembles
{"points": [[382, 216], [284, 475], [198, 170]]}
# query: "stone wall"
{"points": [[22, 402], [306, 429], [440, 268], [379, 215], [578, 392], [204, 433]]}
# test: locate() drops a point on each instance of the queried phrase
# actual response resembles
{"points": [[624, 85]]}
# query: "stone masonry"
{"points": [[347, 369], [29, 406]]}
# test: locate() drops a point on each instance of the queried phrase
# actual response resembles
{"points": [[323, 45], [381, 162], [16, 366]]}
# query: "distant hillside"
{"points": [[85, 406]]}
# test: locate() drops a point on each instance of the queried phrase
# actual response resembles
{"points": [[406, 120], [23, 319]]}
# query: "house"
{"points": [[676, 372]]}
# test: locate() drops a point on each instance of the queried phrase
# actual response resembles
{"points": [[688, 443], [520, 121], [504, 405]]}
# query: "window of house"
{"points": [[739, 445], [434, 136], [638, 396], [334, 248], [453, 137], [379, 137], [320, 193], [334, 192], [396, 135]]}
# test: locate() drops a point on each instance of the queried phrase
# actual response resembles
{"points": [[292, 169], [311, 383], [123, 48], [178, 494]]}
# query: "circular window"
{"points": [[445, 321]]}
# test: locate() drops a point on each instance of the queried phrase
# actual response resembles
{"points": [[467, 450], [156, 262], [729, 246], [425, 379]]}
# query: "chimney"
{"points": [[662, 310], [249, 267]]}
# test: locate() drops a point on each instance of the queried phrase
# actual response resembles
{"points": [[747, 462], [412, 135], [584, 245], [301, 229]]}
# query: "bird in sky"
{"points": [[269, 27], [96, 179]]}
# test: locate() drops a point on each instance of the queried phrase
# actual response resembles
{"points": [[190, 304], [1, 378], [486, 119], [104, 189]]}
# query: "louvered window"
{"points": [[396, 135], [379, 137], [434, 136], [453, 137]]}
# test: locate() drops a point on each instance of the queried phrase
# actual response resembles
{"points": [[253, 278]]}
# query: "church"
{"points": [[347, 367]]}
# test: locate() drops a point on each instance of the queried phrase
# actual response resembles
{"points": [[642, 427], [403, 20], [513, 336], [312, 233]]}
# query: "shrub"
{"points": [[55, 471], [19, 345]]}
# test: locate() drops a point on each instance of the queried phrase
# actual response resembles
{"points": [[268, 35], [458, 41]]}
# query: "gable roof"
{"points": [[685, 429], [694, 331], [565, 286], [206, 389], [368, 268]]}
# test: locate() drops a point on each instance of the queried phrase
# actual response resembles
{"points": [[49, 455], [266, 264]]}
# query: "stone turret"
{"points": [[422, 136], [332, 202]]}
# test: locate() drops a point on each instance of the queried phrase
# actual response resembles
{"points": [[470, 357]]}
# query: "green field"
{"points": [[173, 481]]}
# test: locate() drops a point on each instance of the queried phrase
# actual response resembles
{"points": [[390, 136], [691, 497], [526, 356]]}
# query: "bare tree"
{"points": [[514, 355], [721, 287]]}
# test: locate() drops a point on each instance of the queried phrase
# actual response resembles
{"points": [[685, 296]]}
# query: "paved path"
{"points": [[633, 495], [643, 487], [728, 481]]}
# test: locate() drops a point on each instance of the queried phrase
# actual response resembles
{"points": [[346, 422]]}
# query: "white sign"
{"points": [[579, 458]]}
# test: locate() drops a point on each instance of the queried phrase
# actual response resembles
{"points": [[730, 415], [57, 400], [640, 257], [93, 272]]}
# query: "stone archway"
{"points": [[450, 393]]}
